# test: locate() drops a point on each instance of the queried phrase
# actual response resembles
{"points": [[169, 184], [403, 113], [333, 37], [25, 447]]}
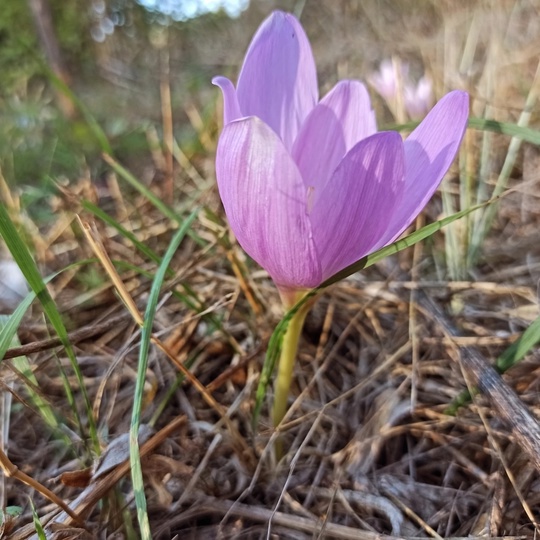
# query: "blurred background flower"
{"points": [[404, 97]]}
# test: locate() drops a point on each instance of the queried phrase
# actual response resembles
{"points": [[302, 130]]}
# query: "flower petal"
{"points": [[278, 81], [392, 75], [429, 152], [352, 211], [231, 109], [418, 98], [342, 118], [265, 202]]}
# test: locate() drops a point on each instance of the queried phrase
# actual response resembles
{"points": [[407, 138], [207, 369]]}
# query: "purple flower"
{"points": [[389, 77], [308, 186], [393, 80], [418, 98]]}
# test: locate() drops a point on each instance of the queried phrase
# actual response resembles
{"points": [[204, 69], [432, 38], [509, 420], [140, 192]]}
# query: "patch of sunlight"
{"points": [[183, 10]]}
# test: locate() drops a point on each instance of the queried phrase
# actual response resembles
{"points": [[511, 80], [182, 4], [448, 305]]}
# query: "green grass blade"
{"points": [[190, 298], [8, 332], [166, 210], [517, 351], [505, 128], [92, 123], [143, 190], [451, 240], [9, 329], [40, 531], [402, 244], [136, 470], [509, 358], [274, 345], [20, 253], [22, 365], [463, 250], [502, 181], [100, 214]]}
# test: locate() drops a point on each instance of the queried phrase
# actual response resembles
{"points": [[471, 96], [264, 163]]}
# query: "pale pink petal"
{"points": [[352, 211], [424, 90], [384, 80], [418, 98], [278, 81], [429, 152], [391, 76], [231, 109], [342, 118], [265, 202]]}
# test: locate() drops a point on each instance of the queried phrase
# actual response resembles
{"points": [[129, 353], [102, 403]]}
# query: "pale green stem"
{"points": [[286, 363]]}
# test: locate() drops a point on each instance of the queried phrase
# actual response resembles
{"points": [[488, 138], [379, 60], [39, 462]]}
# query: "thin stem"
{"points": [[286, 363]]}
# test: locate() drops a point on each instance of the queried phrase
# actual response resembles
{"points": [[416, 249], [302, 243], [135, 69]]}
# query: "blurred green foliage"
{"points": [[112, 52], [37, 141], [20, 56], [17, 38]]}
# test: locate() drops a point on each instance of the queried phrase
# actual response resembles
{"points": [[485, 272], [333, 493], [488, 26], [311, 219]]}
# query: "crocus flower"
{"points": [[389, 77], [418, 97], [309, 186], [393, 80]]}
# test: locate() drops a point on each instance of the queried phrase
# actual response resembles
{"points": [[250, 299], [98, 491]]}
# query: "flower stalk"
{"points": [[286, 363]]}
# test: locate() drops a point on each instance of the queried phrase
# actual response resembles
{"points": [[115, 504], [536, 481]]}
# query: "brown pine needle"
{"points": [[94, 240], [12, 471]]}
